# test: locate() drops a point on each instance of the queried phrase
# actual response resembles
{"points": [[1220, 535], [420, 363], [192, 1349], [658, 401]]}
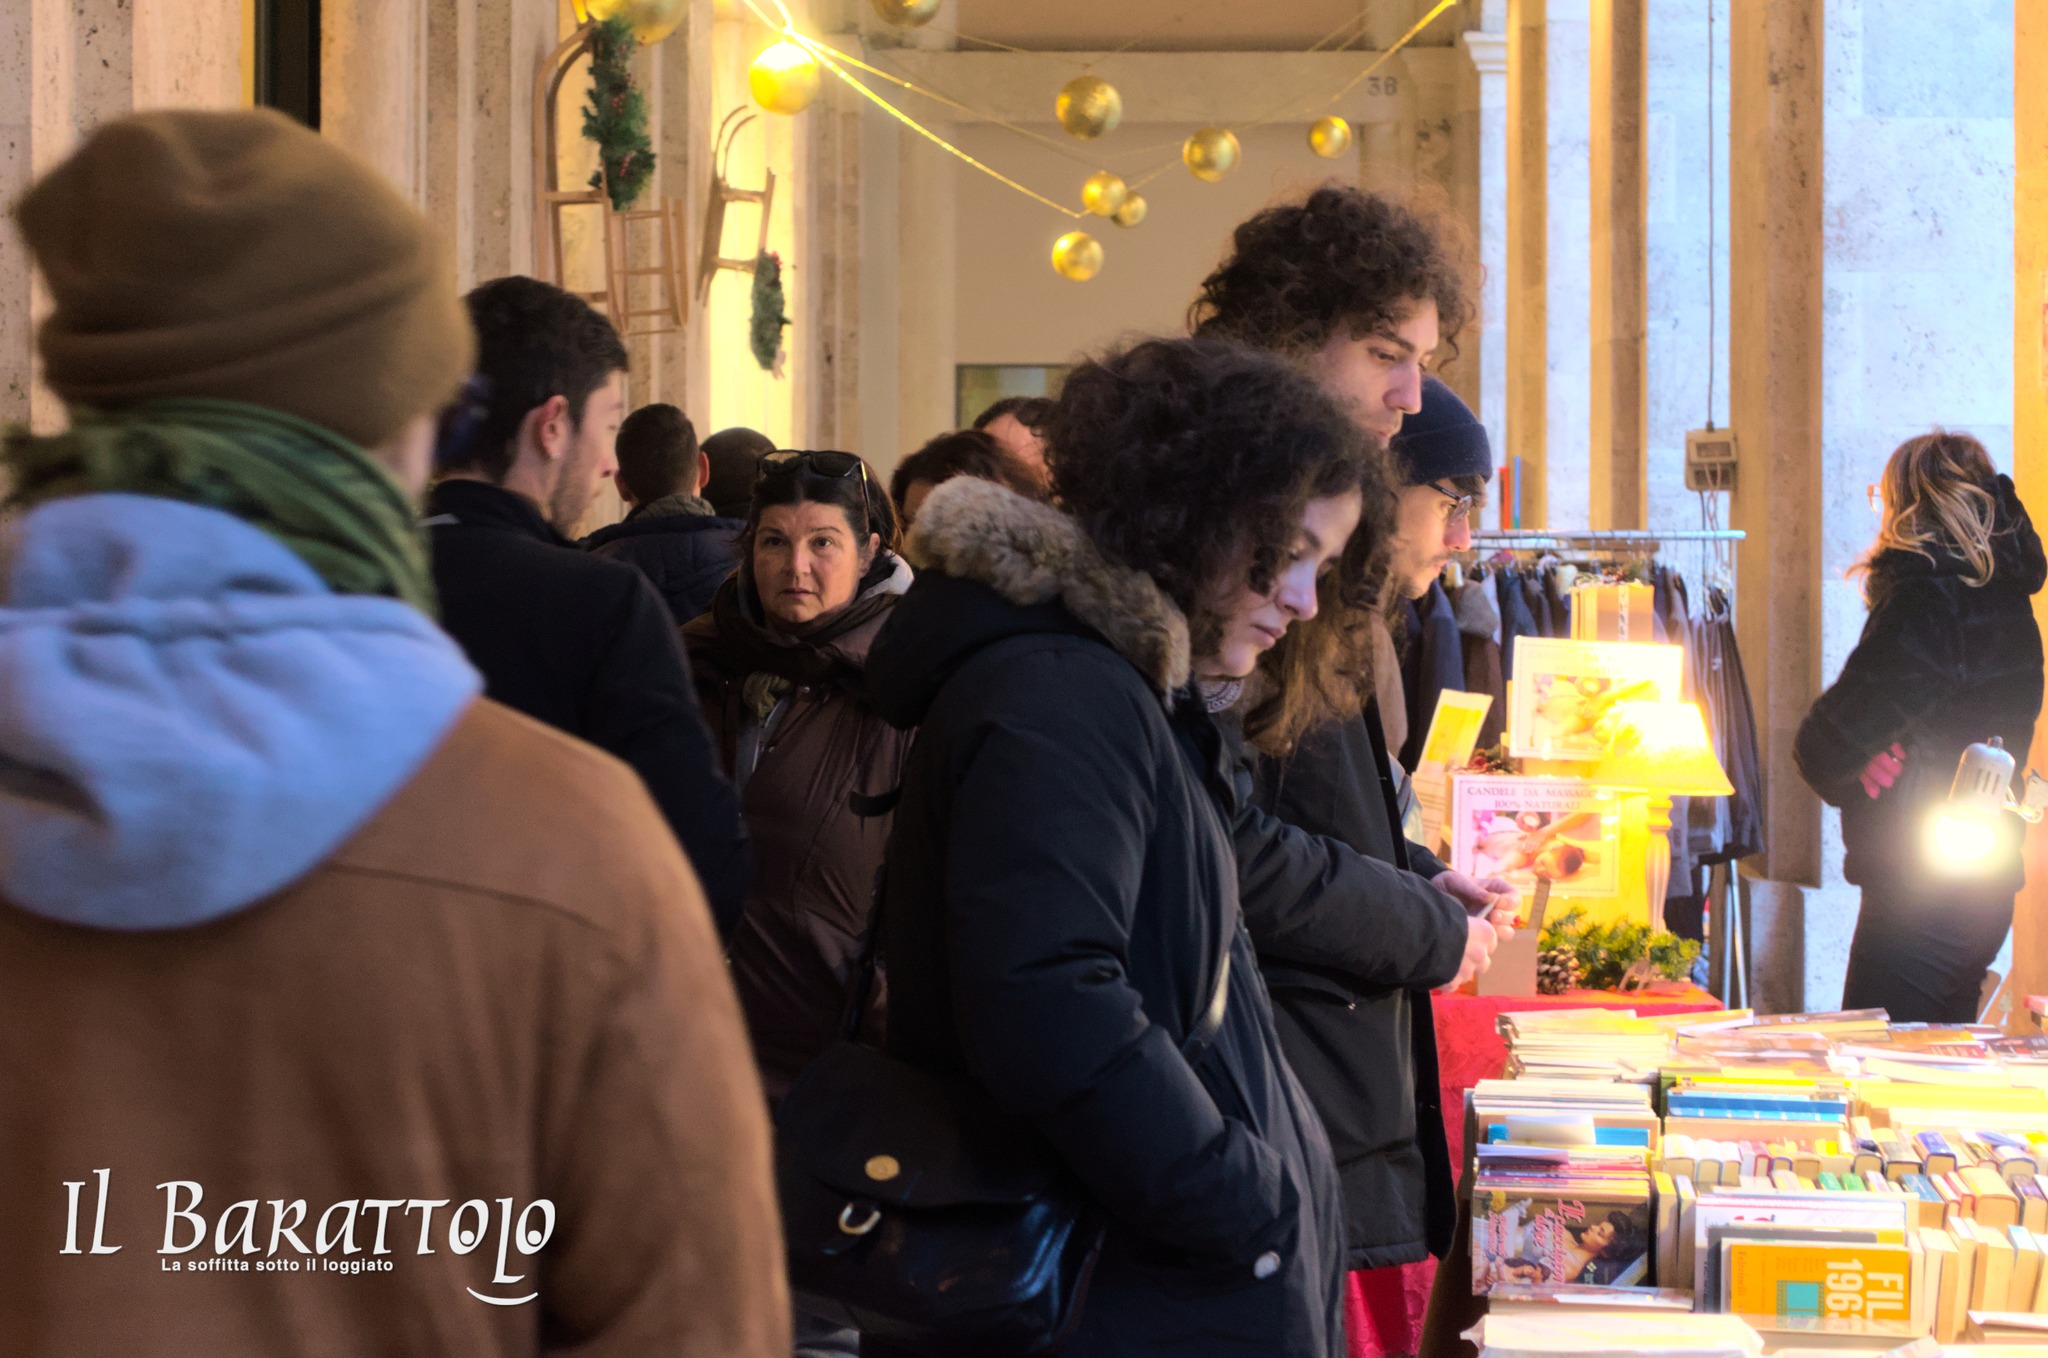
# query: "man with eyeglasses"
{"points": [[1444, 462]]}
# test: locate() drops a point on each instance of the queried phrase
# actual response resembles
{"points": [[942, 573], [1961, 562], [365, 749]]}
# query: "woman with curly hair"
{"points": [[1060, 922], [1950, 655]]}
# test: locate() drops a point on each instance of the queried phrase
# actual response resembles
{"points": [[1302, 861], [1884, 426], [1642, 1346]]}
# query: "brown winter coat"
{"points": [[505, 985], [816, 853]]}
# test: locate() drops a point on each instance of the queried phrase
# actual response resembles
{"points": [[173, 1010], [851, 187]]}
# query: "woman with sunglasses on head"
{"points": [[779, 664], [1949, 656], [1060, 923]]}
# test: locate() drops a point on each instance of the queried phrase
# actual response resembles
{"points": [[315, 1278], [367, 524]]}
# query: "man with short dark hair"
{"points": [[732, 464], [1014, 423], [961, 452], [671, 531], [570, 639], [1359, 289]]}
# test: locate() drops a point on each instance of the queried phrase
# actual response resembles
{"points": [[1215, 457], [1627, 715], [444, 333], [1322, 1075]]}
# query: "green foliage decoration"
{"points": [[766, 332], [1622, 949], [616, 116]]}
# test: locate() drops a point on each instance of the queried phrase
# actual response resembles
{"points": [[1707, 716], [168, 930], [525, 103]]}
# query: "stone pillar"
{"points": [[1619, 173], [373, 63], [2030, 427], [1488, 52], [1775, 383], [70, 65], [1549, 288], [929, 251]]}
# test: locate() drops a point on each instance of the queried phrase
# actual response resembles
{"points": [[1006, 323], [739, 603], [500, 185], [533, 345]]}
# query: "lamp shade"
{"points": [[1662, 748]]}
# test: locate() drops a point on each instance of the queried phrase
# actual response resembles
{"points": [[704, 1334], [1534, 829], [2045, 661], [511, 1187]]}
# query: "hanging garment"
{"points": [[1557, 589], [1477, 623], [1515, 619], [1732, 718], [1538, 600], [1434, 662]]}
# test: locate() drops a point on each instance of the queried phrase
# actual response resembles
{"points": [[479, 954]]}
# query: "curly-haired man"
{"points": [[1360, 290]]}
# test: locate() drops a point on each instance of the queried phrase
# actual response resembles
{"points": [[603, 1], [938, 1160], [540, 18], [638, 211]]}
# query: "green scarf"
{"points": [[306, 486]]}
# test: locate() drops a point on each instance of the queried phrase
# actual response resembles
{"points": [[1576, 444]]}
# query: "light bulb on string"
{"points": [[1077, 255], [907, 13], [1211, 153], [783, 78], [1088, 107], [1131, 211], [1329, 137], [652, 20], [1104, 192]]}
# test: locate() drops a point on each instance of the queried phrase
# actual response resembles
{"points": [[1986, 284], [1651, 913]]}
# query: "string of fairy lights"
{"points": [[787, 76]]}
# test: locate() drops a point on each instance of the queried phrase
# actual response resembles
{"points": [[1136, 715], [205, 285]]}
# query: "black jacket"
{"points": [[1351, 943], [1941, 664], [686, 552], [1060, 885], [584, 645]]}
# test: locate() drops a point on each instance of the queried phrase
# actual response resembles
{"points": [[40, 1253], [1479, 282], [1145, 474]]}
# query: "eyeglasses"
{"points": [[830, 465], [1875, 494], [1457, 506]]}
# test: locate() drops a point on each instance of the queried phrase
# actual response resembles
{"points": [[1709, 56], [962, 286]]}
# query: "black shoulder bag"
{"points": [[924, 1216]]}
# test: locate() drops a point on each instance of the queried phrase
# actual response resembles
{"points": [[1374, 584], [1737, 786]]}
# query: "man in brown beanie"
{"points": [[398, 1016]]}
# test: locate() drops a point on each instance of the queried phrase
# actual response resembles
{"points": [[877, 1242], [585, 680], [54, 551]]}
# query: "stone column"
{"points": [[1488, 52], [1549, 288], [373, 64], [1619, 181], [66, 66], [1775, 260], [929, 253], [2030, 428]]}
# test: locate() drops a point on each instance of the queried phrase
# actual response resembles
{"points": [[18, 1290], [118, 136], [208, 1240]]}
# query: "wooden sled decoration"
{"points": [[709, 261], [670, 309]]}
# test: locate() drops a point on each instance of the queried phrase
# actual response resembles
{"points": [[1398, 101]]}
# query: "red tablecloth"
{"points": [[1383, 1308]]}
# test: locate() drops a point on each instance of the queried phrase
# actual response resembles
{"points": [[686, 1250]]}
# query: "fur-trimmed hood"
{"points": [[1030, 553], [993, 565]]}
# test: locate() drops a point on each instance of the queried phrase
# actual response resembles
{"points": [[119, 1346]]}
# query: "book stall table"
{"points": [[1383, 1308], [1818, 1182]]}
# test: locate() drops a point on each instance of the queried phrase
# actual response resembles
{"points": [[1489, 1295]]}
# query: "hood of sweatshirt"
{"points": [[190, 719]]}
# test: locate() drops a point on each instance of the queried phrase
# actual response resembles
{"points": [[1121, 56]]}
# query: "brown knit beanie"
{"points": [[239, 256]]}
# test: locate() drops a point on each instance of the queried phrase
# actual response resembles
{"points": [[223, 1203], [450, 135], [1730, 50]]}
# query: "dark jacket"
{"points": [[679, 544], [815, 764], [584, 645], [1060, 886], [1941, 665], [1433, 661], [1350, 981]]}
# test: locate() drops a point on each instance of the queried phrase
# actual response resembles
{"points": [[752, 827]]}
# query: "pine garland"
{"points": [[616, 116], [1607, 955], [766, 331]]}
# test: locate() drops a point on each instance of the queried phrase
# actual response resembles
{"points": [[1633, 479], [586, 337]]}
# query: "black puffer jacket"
{"points": [[1941, 664], [680, 545], [1351, 943], [1060, 885]]}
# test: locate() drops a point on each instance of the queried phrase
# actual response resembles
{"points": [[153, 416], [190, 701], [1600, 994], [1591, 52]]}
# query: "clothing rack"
{"points": [[1727, 892]]}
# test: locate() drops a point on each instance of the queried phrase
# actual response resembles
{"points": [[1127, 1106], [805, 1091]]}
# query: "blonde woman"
{"points": [[1950, 655]]}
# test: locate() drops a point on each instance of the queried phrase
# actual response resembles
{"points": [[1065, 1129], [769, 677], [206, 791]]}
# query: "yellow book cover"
{"points": [[1803, 1278]]}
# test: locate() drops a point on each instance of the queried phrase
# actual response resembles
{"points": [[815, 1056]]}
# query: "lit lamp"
{"points": [[1965, 831], [1662, 749]]}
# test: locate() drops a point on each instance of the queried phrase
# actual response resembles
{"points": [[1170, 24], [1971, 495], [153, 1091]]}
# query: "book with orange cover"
{"points": [[1801, 1279]]}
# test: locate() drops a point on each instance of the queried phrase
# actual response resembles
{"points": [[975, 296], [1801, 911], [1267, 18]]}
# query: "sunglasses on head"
{"points": [[830, 465]]}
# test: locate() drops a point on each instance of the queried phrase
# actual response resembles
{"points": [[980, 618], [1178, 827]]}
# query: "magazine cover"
{"points": [[1453, 734], [1562, 830], [1538, 1239], [1566, 692]]}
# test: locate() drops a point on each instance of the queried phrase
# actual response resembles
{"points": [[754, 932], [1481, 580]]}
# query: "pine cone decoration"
{"points": [[1557, 971]]}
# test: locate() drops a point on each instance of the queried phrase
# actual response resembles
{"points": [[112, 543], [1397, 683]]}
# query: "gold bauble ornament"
{"points": [[652, 20], [907, 13], [784, 78], [1131, 212], [1104, 192], [1329, 137], [1088, 107], [1077, 255], [1211, 153]]}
